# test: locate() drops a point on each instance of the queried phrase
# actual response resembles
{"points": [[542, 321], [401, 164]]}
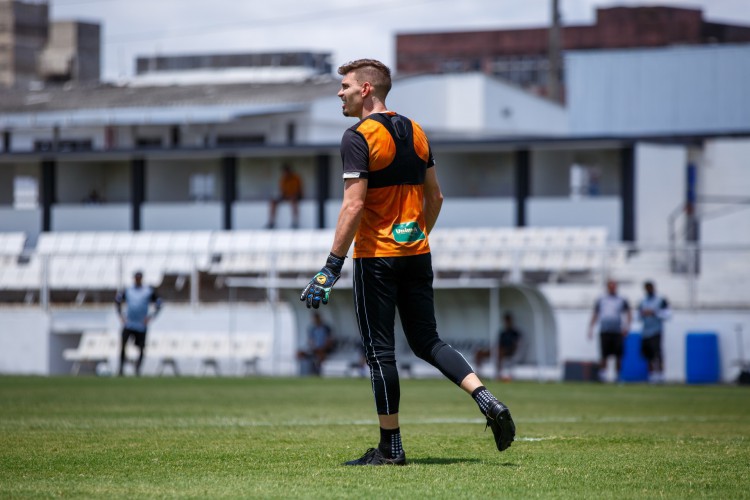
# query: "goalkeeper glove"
{"points": [[320, 285]]}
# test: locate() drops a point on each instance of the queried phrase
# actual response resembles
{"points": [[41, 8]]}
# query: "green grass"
{"points": [[286, 438]]}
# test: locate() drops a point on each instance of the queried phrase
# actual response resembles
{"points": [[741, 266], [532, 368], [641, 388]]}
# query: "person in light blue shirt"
{"points": [[320, 343], [653, 311], [137, 316]]}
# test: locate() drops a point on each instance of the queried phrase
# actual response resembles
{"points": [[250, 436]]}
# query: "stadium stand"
{"points": [[11, 247], [249, 349], [80, 266], [94, 348], [211, 350], [550, 252], [168, 349]]}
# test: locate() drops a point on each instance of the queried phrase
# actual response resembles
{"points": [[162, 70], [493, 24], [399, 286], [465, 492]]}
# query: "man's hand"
{"points": [[319, 288]]}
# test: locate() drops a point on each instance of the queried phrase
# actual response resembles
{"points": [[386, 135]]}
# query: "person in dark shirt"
{"points": [[391, 202], [509, 339]]}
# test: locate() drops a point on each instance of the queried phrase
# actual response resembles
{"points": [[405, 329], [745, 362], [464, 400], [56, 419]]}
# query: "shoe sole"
{"points": [[503, 424], [373, 458]]}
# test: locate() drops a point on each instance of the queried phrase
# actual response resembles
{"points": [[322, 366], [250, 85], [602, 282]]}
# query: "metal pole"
{"points": [[194, 282], [691, 250], [554, 49], [232, 328], [44, 290], [538, 334], [273, 296], [494, 327]]}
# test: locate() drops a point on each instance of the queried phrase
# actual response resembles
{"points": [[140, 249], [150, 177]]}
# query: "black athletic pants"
{"points": [[140, 342], [381, 285]]}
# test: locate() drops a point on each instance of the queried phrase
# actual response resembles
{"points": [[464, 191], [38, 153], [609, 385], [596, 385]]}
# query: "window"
{"points": [[25, 192], [148, 142], [66, 145], [239, 140], [584, 180], [202, 187]]}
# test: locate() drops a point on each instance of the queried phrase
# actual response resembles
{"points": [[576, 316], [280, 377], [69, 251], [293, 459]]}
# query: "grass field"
{"points": [[94, 437]]}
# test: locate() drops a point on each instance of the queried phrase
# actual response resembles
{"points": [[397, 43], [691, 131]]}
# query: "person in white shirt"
{"points": [[612, 313]]}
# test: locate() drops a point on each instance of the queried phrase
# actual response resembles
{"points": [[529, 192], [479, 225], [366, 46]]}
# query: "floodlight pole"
{"points": [[554, 54]]}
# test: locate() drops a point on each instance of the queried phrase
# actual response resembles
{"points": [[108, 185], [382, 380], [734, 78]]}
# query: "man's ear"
{"points": [[366, 89]]}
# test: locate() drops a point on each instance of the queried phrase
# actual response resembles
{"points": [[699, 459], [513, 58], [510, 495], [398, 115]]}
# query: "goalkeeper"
{"points": [[391, 202]]}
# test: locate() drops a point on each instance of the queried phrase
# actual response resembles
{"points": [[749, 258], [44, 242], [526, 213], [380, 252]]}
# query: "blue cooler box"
{"points": [[702, 358], [634, 366]]}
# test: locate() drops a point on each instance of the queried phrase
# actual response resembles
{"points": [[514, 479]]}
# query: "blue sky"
{"points": [[349, 30]]}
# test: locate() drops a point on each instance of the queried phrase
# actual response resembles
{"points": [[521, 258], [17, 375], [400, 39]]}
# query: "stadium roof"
{"points": [[104, 96]]}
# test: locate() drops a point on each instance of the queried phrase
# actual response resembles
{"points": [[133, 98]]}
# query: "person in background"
{"points": [[93, 198], [137, 316], [290, 189], [612, 313], [653, 311], [391, 202], [320, 344], [508, 340]]}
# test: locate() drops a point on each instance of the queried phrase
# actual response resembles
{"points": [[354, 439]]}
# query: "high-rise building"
{"points": [[24, 30], [73, 52], [33, 48]]}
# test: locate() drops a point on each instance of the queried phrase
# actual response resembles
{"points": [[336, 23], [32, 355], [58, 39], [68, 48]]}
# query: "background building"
{"points": [[665, 90], [281, 67], [650, 183], [34, 49], [72, 53], [24, 30], [522, 55]]}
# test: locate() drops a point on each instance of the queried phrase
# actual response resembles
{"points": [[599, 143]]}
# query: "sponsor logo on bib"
{"points": [[407, 232]]}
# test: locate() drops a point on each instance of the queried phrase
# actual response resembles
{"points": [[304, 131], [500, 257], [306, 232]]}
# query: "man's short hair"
{"points": [[370, 70]]}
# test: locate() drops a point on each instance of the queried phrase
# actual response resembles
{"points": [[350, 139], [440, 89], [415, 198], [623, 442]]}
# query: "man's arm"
{"points": [[352, 209], [156, 300], [664, 312], [350, 216], [594, 319], [433, 198], [628, 318], [119, 298]]}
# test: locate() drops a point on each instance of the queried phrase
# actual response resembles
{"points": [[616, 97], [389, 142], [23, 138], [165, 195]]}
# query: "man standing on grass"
{"points": [[612, 313], [138, 299], [653, 311], [391, 203]]}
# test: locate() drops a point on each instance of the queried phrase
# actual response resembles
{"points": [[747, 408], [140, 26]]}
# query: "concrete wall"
{"points": [[181, 216], [600, 211], [109, 217], [661, 187], [24, 341], [724, 173], [664, 90], [255, 215], [28, 347]]}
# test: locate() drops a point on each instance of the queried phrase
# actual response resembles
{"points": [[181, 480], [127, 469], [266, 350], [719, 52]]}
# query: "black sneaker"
{"points": [[374, 456], [501, 423]]}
